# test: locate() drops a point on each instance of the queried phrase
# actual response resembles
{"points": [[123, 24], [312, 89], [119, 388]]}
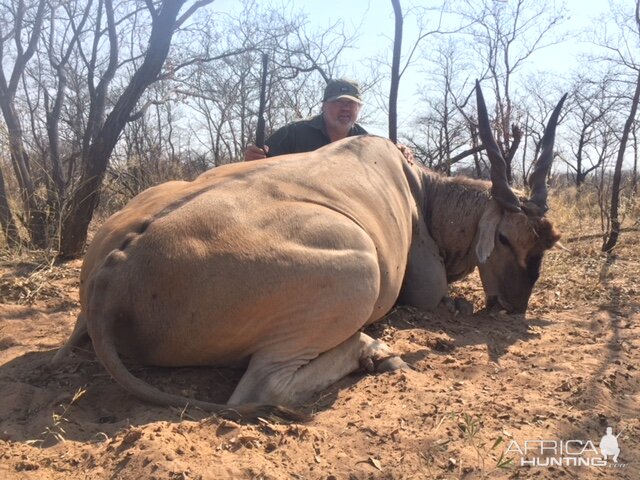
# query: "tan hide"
{"points": [[275, 261]]}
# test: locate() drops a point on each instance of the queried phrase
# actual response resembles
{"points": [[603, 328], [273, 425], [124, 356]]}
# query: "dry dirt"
{"points": [[482, 386]]}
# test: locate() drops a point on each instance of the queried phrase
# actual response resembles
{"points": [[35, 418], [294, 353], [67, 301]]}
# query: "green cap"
{"points": [[342, 88]]}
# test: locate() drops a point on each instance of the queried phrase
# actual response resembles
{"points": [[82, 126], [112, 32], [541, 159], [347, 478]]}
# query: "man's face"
{"points": [[341, 114]]}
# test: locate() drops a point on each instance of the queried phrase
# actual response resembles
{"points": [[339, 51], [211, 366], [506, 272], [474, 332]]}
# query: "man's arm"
{"points": [[281, 142]]}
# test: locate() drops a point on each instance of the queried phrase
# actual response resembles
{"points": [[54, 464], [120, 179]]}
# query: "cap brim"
{"points": [[348, 97]]}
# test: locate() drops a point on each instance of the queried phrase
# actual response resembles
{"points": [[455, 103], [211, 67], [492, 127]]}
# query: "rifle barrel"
{"points": [[263, 100]]}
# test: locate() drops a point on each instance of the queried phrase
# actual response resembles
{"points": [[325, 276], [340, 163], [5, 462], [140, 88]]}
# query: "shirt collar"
{"points": [[317, 122]]}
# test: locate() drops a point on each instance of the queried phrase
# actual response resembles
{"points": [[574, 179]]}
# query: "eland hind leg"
{"points": [[79, 335], [316, 342], [269, 382]]}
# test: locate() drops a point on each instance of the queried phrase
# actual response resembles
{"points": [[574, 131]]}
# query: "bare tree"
{"points": [[636, 147], [100, 92], [534, 105], [20, 32], [226, 94], [101, 137], [622, 53], [611, 238], [504, 36], [61, 44], [594, 134], [6, 216], [386, 73], [149, 151], [445, 128]]}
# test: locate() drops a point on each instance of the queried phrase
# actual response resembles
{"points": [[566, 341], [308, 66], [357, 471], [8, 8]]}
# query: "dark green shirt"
{"points": [[303, 136]]}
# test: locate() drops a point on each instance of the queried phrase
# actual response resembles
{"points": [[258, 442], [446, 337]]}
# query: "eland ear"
{"points": [[487, 226]]}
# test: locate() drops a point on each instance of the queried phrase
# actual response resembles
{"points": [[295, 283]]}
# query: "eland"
{"points": [[277, 265]]}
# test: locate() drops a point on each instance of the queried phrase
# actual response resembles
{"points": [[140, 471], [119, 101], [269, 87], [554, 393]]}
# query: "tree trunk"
{"points": [[611, 239], [476, 147], [6, 217], [395, 73], [25, 46], [579, 177], [516, 133], [53, 134], [96, 157], [35, 218], [634, 174]]}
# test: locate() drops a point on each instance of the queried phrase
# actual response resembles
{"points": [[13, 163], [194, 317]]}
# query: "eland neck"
{"points": [[452, 210]]}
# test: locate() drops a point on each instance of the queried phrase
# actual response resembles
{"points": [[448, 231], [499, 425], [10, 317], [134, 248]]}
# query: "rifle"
{"points": [[263, 100]]}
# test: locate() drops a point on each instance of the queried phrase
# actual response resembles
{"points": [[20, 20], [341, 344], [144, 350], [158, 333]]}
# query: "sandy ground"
{"points": [[483, 387]]}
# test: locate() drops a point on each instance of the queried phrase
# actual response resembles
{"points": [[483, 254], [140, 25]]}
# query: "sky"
{"points": [[377, 22], [374, 20]]}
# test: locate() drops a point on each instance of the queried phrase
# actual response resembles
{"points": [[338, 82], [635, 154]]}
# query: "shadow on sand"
{"points": [[34, 390]]}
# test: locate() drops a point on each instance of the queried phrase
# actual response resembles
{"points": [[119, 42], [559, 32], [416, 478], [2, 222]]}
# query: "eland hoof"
{"points": [[391, 364]]}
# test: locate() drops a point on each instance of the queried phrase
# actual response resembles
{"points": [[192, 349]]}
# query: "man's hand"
{"points": [[253, 152], [407, 152]]}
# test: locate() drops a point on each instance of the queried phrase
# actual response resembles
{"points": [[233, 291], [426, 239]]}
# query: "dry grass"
{"points": [[587, 274], [30, 276]]}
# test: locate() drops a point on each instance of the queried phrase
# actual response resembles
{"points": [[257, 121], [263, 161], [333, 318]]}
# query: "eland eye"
{"points": [[504, 240]]}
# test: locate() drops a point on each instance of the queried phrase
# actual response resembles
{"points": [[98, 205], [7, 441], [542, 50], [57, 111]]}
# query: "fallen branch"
{"points": [[593, 236]]}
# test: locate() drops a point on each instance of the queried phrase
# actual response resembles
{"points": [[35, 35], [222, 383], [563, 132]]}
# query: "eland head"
{"points": [[514, 232]]}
